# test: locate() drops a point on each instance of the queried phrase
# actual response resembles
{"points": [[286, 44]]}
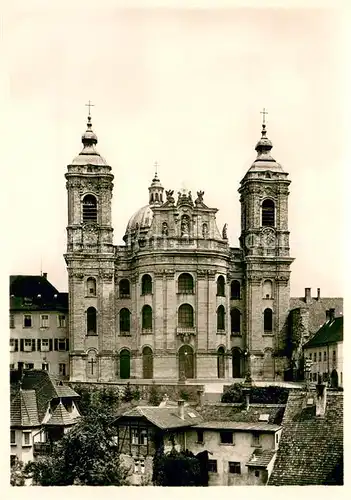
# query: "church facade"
{"points": [[176, 301]]}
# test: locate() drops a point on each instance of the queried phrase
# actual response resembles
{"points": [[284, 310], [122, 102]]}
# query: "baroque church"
{"points": [[176, 301]]}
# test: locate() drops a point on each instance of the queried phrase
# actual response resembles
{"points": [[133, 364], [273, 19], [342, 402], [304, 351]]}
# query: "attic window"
{"points": [[264, 417], [192, 415]]}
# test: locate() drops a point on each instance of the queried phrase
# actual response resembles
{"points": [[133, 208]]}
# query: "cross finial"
{"points": [[89, 106], [264, 113]]}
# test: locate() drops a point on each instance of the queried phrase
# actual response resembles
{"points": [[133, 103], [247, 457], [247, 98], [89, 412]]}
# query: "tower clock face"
{"points": [[268, 239], [251, 241]]}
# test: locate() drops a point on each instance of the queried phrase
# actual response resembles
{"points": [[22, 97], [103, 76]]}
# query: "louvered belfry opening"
{"points": [[89, 208], [268, 210]]}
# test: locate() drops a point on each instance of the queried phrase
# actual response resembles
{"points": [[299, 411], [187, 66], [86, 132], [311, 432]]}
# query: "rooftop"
{"points": [[164, 417], [35, 292], [261, 458], [331, 332], [239, 426]]}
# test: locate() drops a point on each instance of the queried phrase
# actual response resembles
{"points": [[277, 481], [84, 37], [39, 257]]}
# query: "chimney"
{"points": [[321, 399], [318, 293], [332, 314], [307, 295], [327, 315], [45, 275], [246, 394], [201, 394], [181, 408]]}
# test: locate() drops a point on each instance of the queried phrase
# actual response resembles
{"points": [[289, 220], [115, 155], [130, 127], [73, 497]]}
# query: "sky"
{"points": [[183, 87]]}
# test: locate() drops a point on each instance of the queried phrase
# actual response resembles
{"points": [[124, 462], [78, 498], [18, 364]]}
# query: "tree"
{"points": [[234, 394], [17, 477], [86, 455], [176, 469]]}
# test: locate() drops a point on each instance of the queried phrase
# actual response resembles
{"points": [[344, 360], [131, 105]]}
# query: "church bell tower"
{"points": [[90, 264], [264, 239]]}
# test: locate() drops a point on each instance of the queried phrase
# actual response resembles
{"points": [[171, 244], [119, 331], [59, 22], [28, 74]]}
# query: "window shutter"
{"points": [[16, 344], [21, 344], [55, 344], [33, 344], [39, 344], [67, 345], [50, 344]]}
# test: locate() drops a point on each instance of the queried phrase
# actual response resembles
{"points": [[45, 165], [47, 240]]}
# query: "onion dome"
{"points": [[265, 161], [89, 155]]}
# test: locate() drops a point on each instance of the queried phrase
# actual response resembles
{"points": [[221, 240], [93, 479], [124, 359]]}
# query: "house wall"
{"points": [[328, 365], [240, 451], [22, 451]]}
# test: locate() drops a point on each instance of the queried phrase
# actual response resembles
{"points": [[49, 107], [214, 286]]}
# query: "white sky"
{"points": [[185, 88]]}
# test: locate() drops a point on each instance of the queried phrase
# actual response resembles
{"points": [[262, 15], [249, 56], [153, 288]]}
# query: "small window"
{"points": [[256, 439], [27, 321], [124, 289], [212, 466], [91, 287], [12, 344], [13, 460], [61, 321], [29, 366], [325, 356], [44, 321], [26, 438], [45, 367], [139, 466], [315, 357], [27, 345], [267, 289], [185, 283], [146, 285], [44, 345], [268, 320], [220, 286], [139, 437], [91, 321], [235, 290], [226, 437], [319, 356], [200, 436], [62, 344], [257, 473], [13, 437], [310, 355], [234, 468], [12, 321], [62, 369], [146, 315]]}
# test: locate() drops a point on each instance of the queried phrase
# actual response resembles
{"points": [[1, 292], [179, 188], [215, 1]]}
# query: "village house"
{"points": [[42, 409], [311, 445], [325, 350], [38, 326]]}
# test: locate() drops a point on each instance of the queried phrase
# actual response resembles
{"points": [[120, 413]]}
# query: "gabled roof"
{"points": [[261, 458], [35, 293], [311, 448], [164, 418], [24, 410], [317, 309], [222, 412], [239, 426], [61, 416], [329, 333]]}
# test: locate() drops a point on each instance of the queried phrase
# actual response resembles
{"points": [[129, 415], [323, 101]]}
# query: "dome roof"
{"points": [[89, 155], [141, 219], [265, 160]]}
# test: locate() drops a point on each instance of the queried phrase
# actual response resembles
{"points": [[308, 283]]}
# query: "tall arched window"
{"points": [[185, 283], [220, 318], [89, 208], [124, 364], [235, 289], [148, 363], [268, 213], [146, 314], [237, 363], [268, 320], [91, 321], [235, 320], [124, 289], [185, 316], [267, 289], [146, 284], [221, 286], [220, 363], [124, 321], [91, 287]]}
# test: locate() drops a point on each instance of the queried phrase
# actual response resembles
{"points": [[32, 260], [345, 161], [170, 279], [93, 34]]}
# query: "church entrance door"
{"points": [[237, 362], [148, 365], [124, 364], [186, 362]]}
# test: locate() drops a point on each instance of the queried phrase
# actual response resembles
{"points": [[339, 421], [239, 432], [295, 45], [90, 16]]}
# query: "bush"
{"points": [[184, 395], [155, 397], [234, 394], [269, 395], [176, 469]]}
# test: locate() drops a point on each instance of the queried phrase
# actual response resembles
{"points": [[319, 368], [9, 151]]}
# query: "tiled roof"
{"points": [[235, 413], [311, 448], [35, 293], [317, 309], [164, 418], [239, 426], [331, 332], [261, 458], [61, 416], [23, 409]]}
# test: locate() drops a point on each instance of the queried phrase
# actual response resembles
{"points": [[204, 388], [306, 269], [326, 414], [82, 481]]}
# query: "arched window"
{"points": [[146, 284], [91, 287], [91, 321], [146, 314], [124, 289], [89, 208], [221, 286], [268, 320], [124, 321], [220, 318], [156, 196], [185, 283], [268, 213], [235, 289], [148, 363], [124, 364], [237, 363], [267, 289], [186, 362], [185, 316], [235, 320], [220, 363]]}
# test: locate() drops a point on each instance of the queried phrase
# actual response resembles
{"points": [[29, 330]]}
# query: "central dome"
{"points": [[140, 220]]}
